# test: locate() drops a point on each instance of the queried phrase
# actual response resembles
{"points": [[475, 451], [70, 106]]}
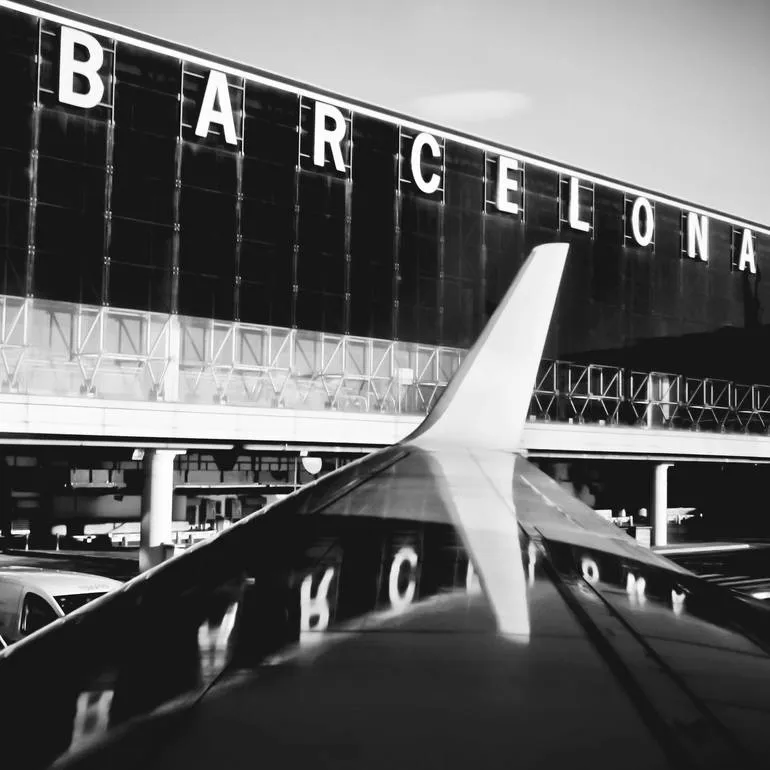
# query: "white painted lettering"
{"points": [[399, 600], [505, 184], [425, 140], [575, 222], [677, 602], [636, 587], [697, 236], [531, 563], [642, 237], [213, 642], [748, 256], [331, 136], [314, 610], [69, 66], [216, 108], [92, 716], [590, 570]]}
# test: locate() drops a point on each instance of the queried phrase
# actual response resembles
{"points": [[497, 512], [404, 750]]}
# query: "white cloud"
{"points": [[470, 106]]}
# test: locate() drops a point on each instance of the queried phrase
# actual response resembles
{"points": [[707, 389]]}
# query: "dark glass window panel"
{"points": [[71, 185], [18, 43], [321, 254], [67, 276], [209, 169], [720, 241], [267, 223], [14, 174], [542, 198], [273, 108], [372, 267], [607, 277], [639, 289], [460, 313], [321, 243], [694, 299], [762, 244], [608, 221], [206, 296], [13, 223], [266, 303], [13, 270], [147, 71], [207, 233], [463, 241], [695, 277], [320, 312], [268, 264], [143, 198], [668, 238], [73, 236], [464, 177], [419, 253], [269, 182], [143, 288], [150, 112], [462, 256], [141, 243], [72, 137], [666, 283], [504, 237], [144, 155]]}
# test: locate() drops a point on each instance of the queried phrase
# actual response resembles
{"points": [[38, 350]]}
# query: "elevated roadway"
{"points": [[49, 419]]}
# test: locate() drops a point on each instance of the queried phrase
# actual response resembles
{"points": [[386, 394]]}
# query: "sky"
{"points": [[673, 95]]}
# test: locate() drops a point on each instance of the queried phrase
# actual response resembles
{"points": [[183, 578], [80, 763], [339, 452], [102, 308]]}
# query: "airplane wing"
{"points": [[438, 603]]}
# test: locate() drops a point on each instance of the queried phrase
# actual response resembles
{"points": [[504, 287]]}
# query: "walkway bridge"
{"points": [[89, 374]]}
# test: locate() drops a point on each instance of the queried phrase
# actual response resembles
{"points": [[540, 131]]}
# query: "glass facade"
{"points": [[222, 194]]}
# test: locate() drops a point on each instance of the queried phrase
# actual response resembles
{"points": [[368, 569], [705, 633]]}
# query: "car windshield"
{"points": [[71, 602]]}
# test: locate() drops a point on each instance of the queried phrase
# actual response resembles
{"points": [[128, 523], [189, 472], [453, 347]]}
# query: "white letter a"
{"points": [[217, 92]]}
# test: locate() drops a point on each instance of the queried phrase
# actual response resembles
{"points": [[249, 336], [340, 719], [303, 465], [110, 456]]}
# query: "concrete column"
{"points": [[659, 507], [179, 508], [157, 506]]}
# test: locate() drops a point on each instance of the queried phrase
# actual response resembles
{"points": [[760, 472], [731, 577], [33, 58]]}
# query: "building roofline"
{"points": [[190, 53]]}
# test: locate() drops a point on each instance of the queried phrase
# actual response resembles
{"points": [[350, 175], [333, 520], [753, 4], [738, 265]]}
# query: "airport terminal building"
{"points": [[180, 230], [140, 175]]}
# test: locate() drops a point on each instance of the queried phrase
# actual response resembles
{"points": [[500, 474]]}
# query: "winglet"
{"points": [[487, 400]]}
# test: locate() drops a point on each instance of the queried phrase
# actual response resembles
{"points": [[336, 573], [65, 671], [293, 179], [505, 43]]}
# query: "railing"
{"points": [[63, 349], [590, 393]]}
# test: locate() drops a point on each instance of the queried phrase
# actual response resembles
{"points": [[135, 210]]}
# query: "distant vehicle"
{"points": [[31, 598]]}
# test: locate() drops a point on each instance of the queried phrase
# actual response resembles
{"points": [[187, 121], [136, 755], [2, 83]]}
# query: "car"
{"points": [[31, 598]]}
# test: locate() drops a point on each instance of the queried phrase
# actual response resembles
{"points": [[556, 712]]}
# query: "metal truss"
{"points": [[64, 349], [566, 391], [290, 368], [58, 348]]}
